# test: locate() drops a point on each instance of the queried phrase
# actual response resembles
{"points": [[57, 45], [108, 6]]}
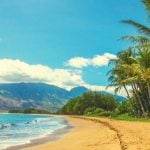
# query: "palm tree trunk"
{"points": [[138, 99], [128, 95], [148, 86], [146, 94]]}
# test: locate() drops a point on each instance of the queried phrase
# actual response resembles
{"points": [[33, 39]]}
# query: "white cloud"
{"points": [[13, 71], [78, 62], [96, 61], [103, 88], [102, 60], [19, 71]]}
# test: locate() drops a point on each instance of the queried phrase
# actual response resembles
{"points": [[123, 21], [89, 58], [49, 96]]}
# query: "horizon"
{"points": [[64, 43]]}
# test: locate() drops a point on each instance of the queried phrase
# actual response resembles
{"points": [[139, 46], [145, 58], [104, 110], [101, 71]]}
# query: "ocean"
{"points": [[18, 129]]}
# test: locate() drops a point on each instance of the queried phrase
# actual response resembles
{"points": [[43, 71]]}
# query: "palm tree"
{"points": [[132, 66], [118, 73]]}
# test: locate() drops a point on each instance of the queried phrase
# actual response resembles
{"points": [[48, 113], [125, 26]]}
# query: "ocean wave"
{"points": [[38, 120], [50, 120], [20, 129], [45, 119], [31, 122], [7, 125]]}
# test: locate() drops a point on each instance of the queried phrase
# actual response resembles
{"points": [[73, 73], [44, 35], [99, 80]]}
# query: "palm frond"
{"points": [[112, 61], [144, 46], [140, 47], [141, 28], [137, 39], [147, 5]]}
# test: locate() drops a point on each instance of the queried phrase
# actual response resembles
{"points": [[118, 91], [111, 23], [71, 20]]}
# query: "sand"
{"points": [[101, 134]]}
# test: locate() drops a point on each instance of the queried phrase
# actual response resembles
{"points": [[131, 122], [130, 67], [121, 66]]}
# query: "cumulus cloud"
{"points": [[78, 62], [19, 71], [13, 71], [103, 88], [96, 61], [102, 60]]}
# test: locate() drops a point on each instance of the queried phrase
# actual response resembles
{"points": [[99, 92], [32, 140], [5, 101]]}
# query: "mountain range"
{"points": [[38, 95]]}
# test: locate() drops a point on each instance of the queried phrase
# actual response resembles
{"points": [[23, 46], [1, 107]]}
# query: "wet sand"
{"points": [[87, 135], [101, 134]]}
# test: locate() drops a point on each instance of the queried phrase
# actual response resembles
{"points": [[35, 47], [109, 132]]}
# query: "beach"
{"points": [[101, 134]]}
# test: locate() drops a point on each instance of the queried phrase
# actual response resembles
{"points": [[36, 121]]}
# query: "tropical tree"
{"points": [[132, 66]]}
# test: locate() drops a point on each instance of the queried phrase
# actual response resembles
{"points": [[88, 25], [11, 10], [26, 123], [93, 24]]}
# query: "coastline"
{"points": [[101, 134], [97, 134], [86, 135], [55, 135]]}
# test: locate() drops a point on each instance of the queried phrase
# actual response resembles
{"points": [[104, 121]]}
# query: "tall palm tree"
{"points": [[132, 66]]}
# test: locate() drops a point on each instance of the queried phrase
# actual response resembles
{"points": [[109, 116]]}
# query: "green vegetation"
{"points": [[131, 70], [127, 117], [92, 104], [98, 105], [30, 111]]}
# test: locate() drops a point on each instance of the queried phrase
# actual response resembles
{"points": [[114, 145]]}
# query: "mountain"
{"points": [[78, 91], [37, 95]]}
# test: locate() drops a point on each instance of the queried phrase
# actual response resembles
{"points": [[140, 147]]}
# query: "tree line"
{"points": [[91, 103]]}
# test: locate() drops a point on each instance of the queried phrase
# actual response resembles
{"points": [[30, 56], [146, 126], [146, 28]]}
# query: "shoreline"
{"points": [[101, 134], [90, 133], [85, 136], [55, 135]]}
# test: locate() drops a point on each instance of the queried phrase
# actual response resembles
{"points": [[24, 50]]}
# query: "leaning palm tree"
{"points": [[117, 75], [116, 80], [132, 66], [130, 69]]}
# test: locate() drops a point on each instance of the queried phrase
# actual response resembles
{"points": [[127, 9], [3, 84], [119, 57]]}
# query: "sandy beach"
{"points": [[101, 134]]}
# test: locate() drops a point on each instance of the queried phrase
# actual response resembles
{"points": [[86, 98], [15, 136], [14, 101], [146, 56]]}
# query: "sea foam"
{"points": [[16, 129]]}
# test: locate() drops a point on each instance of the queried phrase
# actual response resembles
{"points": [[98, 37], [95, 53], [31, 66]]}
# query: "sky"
{"points": [[67, 43]]}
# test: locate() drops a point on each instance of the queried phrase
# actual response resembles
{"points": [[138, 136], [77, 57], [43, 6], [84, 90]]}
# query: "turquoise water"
{"points": [[17, 129]]}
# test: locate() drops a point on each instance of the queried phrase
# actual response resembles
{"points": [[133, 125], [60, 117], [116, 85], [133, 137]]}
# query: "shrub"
{"points": [[106, 114], [90, 103], [89, 110], [93, 111], [97, 111]]}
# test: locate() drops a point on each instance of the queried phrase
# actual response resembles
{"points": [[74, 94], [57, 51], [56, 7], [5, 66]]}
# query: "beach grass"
{"points": [[123, 117], [126, 117]]}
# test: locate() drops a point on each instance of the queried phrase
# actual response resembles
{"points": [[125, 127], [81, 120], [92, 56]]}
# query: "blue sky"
{"points": [[51, 32]]}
